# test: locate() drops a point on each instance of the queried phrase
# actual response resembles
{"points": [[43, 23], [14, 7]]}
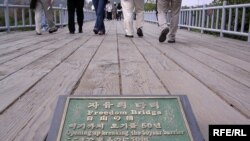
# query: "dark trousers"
{"points": [[100, 14], [109, 15], [75, 6]]}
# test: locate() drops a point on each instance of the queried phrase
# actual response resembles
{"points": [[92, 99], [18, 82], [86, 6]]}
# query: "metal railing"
{"points": [[21, 16], [226, 19]]}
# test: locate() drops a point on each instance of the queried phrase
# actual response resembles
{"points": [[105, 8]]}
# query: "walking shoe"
{"points": [[129, 36], [54, 29], [37, 33], [139, 32], [163, 35], [171, 41], [95, 31]]}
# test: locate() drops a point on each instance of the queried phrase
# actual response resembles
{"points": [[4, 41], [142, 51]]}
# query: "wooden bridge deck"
{"points": [[34, 70]]}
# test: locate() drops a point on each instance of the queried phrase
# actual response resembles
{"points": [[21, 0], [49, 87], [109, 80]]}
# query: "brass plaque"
{"points": [[124, 119]]}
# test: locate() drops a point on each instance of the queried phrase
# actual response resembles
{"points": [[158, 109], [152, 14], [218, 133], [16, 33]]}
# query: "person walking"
{"points": [[128, 7], [114, 11], [75, 6], [119, 12], [46, 6], [99, 6], [34, 5], [109, 10], [162, 7]]}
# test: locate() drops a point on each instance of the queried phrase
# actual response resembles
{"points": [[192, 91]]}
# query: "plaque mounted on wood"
{"points": [[124, 118]]}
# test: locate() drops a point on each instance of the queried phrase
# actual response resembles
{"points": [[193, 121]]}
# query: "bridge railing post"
{"points": [[203, 19], [61, 15], [223, 19], [6, 16], [249, 33], [30, 17], [189, 18]]}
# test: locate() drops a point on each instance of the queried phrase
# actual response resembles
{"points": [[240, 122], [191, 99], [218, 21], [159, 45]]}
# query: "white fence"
{"points": [[226, 19], [20, 16]]}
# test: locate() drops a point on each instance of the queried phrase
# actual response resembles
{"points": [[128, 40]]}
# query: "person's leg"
{"points": [[48, 15], [80, 16], [71, 16], [100, 16], [162, 8], [128, 7], [175, 10], [102, 25], [38, 17], [139, 10], [95, 3], [109, 15]]}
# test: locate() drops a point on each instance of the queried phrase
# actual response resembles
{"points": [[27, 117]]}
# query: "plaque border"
{"points": [[63, 103]]}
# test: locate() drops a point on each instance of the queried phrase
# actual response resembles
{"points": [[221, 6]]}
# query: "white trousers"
{"points": [[38, 17], [162, 7], [128, 7], [48, 13]]}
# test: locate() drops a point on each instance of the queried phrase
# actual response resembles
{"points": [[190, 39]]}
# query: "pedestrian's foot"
{"points": [[101, 33], [163, 35], [139, 32], [95, 31], [171, 41], [129, 36], [54, 29], [71, 32], [38, 33]]}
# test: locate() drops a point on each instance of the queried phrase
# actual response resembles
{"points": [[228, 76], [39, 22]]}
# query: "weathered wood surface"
{"points": [[34, 70]]}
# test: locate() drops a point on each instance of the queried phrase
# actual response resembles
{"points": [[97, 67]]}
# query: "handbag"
{"points": [[33, 4]]}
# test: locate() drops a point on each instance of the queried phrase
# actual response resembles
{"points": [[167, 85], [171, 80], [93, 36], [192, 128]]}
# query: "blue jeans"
{"points": [[100, 14]]}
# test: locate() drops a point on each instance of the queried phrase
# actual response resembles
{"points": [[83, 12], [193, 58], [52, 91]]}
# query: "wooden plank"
{"points": [[10, 52], [13, 36], [216, 54], [136, 75], [18, 42], [102, 74], [34, 113], [206, 105], [234, 43], [18, 63], [227, 69], [226, 58], [5, 51], [220, 47], [30, 54], [17, 84]]}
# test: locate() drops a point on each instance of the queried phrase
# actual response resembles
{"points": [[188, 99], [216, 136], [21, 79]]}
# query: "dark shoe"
{"points": [[129, 36], [163, 35], [71, 32], [54, 29], [139, 32], [38, 33], [171, 41], [95, 31]]}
